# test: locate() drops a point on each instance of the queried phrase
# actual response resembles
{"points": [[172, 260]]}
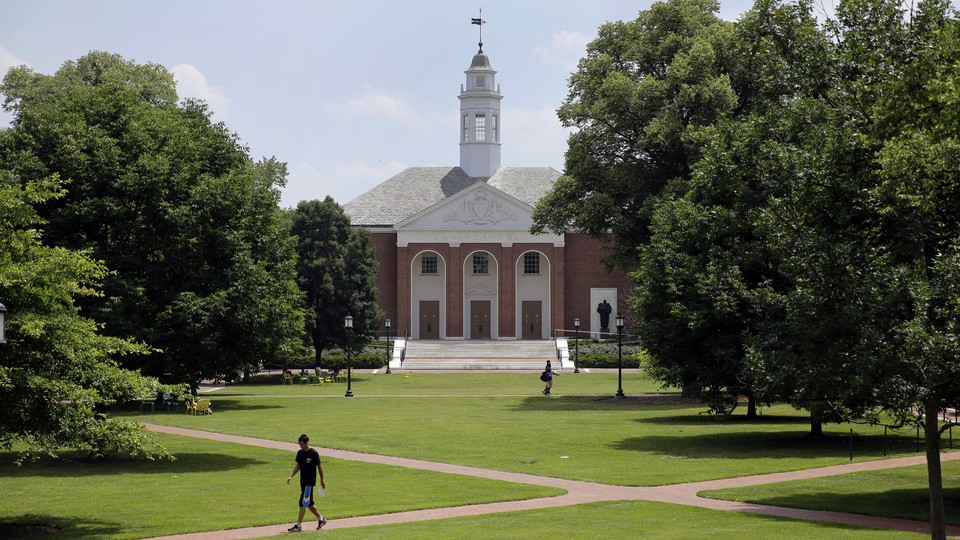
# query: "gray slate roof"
{"points": [[417, 188]]}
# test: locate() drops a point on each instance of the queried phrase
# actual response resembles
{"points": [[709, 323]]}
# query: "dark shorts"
{"points": [[306, 496]]}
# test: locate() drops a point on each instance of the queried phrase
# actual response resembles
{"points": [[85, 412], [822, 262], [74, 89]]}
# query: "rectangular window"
{"points": [[481, 128], [493, 126], [481, 264], [531, 263], [481, 81], [428, 264], [466, 128]]}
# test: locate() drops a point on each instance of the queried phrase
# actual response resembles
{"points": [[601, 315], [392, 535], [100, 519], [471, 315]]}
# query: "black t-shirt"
{"points": [[308, 460]]}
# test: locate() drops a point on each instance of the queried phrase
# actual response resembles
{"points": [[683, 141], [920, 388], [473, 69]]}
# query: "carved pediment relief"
{"points": [[482, 208]]}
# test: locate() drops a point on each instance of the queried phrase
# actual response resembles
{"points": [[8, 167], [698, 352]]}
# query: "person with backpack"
{"points": [[547, 377]]}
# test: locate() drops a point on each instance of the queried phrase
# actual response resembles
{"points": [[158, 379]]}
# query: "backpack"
{"points": [[545, 376]]}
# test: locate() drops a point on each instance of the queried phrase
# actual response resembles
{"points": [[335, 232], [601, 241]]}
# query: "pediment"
{"points": [[480, 290], [479, 207]]}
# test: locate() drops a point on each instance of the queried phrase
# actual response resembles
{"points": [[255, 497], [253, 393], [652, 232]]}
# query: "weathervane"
{"points": [[479, 22]]}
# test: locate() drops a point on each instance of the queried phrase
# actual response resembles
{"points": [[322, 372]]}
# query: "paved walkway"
{"points": [[577, 492]]}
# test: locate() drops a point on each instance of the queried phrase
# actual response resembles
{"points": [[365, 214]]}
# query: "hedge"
{"points": [[357, 361], [605, 360], [373, 356]]}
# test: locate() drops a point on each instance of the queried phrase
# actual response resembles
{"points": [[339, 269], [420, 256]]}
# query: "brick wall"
{"points": [[584, 270], [575, 269], [385, 249]]}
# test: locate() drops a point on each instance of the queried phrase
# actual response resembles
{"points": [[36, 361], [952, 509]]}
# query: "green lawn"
{"points": [[616, 521], [213, 486], [583, 437], [492, 420], [365, 383], [900, 493]]}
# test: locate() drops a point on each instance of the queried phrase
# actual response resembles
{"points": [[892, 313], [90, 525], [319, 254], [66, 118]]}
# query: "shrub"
{"points": [[604, 354], [363, 360], [606, 360]]}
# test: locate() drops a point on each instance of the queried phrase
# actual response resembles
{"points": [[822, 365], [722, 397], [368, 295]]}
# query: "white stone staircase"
{"points": [[480, 355]]}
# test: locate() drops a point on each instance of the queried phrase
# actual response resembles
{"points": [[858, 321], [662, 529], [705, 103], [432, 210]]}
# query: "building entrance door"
{"points": [[429, 319], [479, 319], [530, 315]]}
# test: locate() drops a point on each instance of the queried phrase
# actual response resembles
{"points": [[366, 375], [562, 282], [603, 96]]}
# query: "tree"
{"points": [[694, 264], [811, 341], [57, 370], [912, 115], [639, 101], [696, 273], [861, 214], [200, 257], [336, 270]]}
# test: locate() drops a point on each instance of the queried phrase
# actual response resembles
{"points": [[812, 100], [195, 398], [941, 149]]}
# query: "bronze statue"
{"points": [[604, 309]]}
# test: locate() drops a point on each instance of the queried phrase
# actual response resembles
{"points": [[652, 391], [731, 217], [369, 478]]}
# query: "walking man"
{"points": [[308, 465]]}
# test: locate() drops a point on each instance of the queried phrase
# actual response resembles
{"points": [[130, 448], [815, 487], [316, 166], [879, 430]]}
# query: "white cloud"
{"points": [[8, 60], [566, 48], [191, 82], [534, 138], [375, 104], [343, 182]]}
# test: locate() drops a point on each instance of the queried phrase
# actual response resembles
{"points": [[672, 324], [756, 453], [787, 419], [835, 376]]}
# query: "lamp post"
{"points": [[348, 324], [576, 345], [3, 323], [387, 324], [620, 356]]}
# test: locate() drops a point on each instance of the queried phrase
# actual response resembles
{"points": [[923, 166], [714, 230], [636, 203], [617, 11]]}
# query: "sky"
{"points": [[346, 93]]}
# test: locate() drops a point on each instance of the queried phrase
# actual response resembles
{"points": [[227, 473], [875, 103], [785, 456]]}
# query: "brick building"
{"points": [[457, 259]]}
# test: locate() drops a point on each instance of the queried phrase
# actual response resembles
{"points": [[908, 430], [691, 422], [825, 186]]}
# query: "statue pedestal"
{"points": [[605, 329]]}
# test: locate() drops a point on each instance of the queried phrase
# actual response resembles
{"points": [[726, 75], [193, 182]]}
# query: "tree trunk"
{"points": [[317, 349], [931, 431], [816, 428], [751, 407]]}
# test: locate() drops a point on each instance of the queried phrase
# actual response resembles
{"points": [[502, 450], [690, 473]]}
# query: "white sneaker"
{"points": [[295, 528], [321, 522]]}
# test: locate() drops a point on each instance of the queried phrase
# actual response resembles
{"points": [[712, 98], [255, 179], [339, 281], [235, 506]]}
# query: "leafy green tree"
{"points": [[695, 301], [639, 101], [201, 262], [701, 259], [337, 271], [644, 101], [811, 341], [860, 213], [909, 91], [57, 370]]}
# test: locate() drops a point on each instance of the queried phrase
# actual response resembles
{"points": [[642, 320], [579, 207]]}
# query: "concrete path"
{"points": [[577, 492]]}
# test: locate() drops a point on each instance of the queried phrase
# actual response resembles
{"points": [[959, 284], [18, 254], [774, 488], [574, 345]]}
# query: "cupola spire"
{"points": [[479, 22], [480, 115]]}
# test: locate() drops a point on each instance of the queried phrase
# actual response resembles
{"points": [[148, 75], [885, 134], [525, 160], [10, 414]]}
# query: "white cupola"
{"points": [[480, 119]]}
